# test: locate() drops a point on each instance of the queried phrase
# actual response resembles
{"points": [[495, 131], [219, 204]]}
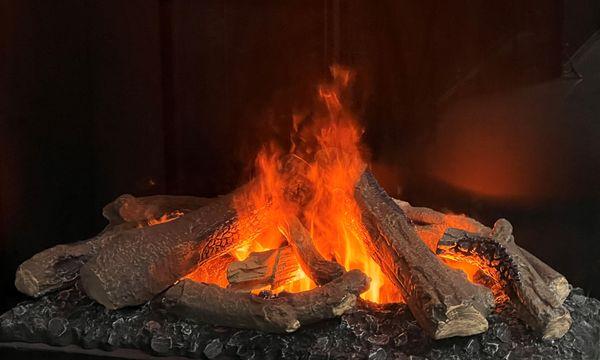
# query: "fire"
{"points": [[315, 181], [165, 218]]}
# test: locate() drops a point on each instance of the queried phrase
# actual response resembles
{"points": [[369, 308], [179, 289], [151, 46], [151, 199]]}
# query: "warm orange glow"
{"points": [[165, 218], [319, 173], [431, 235], [500, 148], [459, 264]]}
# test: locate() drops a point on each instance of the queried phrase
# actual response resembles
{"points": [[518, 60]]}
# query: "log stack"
{"points": [[537, 290], [177, 250]]}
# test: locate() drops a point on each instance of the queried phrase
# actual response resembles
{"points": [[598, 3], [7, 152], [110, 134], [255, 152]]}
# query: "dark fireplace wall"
{"points": [[100, 98]]}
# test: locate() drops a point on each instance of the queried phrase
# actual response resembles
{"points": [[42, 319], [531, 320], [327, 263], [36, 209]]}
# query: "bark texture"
{"points": [[442, 300], [58, 267], [431, 225], [215, 305], [141, 263], [540, 307]]}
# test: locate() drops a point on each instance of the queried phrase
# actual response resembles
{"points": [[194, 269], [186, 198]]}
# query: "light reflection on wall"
{"points": [[510, 147]]}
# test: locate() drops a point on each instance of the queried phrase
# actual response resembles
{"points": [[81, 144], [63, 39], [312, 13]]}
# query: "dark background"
{"points": [[490, 108]]}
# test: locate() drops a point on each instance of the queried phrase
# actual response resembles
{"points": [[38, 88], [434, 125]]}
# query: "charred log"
{"points": [[215, 305], [540, 307], [318, 269], [271, 268], [430, 225], [442, 300], [141, 263]]}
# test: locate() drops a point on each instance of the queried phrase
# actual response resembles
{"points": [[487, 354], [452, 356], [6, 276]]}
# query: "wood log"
{"points": [[213, 271], [215, 305], [538, 305], [558, 284], [127, 208], [431, 225], [441, 299], [141, 263], [271, 268], [560, 288], [58, 267], [330, 300], [316, 267]]}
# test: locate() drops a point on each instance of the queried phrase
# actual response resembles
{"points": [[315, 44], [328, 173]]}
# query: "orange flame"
{"points": [[165, 218], [315, 181]]}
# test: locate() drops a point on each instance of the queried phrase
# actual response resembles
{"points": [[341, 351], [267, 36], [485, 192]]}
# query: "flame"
{"points": [[314, 181], [165, 218]]}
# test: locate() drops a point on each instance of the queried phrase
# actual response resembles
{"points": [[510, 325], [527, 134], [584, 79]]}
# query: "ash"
{"points": [[369, 332]]}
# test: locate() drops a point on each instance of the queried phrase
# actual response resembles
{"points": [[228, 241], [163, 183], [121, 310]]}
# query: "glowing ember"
{"points": [[165, 218], [315, 181]]}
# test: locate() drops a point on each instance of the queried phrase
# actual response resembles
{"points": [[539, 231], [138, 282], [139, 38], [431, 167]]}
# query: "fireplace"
{"points": [[291, 200]]}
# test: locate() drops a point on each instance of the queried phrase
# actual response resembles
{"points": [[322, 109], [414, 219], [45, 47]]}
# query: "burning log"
{"points": [[541, 307], [442, 300], [141, 263], [215, 305], [213, 271], [318, 269], [271, 268], [431, 225]]}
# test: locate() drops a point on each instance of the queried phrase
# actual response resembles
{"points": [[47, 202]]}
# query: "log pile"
{"points": [[538, 290], [177, 250]]}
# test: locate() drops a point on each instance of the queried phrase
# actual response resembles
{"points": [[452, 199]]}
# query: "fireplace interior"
{"points": [[300, 180]]}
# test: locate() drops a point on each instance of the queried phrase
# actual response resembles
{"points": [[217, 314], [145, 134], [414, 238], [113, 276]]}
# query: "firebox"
{"points": [[301, 180]]}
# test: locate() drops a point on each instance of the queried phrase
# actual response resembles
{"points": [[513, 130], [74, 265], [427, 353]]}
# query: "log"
{"points": [[558, 284], [316, 267], [330, 300], [58, 267], [271, 268], [539, 306], [141, 263], [215, 305], [442, 300], [430, 225], [213, 271], [127, 208]]}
